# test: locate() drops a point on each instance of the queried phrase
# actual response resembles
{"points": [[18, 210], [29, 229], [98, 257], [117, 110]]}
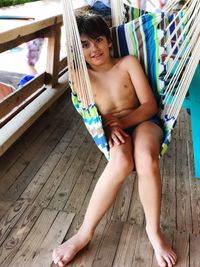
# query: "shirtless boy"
{"points": [[128, 107]]}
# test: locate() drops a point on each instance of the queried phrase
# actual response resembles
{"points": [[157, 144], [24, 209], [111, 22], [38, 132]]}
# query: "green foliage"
{"points": [[14, 2]]}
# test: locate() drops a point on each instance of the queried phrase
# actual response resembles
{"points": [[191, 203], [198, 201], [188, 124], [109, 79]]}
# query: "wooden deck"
{"points": [[46, 180]]}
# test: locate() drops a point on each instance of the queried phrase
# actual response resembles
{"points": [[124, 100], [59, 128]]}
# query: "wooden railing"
{"points": [[20, 109]]}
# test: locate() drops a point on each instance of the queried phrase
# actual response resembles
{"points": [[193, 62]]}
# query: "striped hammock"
{"points": [[167, 46]]}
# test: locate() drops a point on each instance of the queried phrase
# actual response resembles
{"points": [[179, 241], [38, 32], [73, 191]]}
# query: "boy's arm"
{"points": [[148, 106]]}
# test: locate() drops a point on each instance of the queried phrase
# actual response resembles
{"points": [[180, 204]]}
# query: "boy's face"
{"points": [[96, 51]]}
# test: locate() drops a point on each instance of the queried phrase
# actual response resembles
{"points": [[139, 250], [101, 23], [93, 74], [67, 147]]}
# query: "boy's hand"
{"points": [[110, 120], [115, 135]]}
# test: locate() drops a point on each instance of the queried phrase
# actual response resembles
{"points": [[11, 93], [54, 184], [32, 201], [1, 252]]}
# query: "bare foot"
{"points": [[165, 256], [64, 253]]}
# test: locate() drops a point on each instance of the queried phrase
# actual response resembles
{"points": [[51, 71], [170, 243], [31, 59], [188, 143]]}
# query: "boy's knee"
{"points": [[146, 163], [123, 163]]}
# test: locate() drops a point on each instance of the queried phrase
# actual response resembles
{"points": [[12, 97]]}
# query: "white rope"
{"points": [[184, 52], [174, 108], [78, 72], [181, 57], [183, 31], [183, 86], [117, 12], [172, 5]]}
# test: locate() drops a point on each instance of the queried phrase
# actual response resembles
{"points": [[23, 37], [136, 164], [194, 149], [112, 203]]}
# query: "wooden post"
{"points": [[53, 54]]}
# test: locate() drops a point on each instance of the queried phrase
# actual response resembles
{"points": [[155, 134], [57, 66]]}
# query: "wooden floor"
{"points": [[46, 180]]}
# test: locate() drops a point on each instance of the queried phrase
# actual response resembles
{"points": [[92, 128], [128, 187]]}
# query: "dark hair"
{"points": [[92, 25]]}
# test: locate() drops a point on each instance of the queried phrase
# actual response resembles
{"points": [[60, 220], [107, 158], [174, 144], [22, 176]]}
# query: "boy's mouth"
{"points": [[96, 56]]}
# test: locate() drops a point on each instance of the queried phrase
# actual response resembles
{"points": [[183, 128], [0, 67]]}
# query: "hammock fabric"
{"points": [[144, 38]]}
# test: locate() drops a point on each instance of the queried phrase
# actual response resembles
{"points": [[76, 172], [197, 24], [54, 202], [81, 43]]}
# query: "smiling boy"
{"points": [[128, 109]]}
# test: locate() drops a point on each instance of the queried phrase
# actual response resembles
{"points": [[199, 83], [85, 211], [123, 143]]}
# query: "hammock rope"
{"points": [[78, 74], [182, 56]]}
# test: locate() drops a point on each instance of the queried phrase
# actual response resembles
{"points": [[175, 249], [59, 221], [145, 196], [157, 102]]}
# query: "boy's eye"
{"points": [[85, 45], [99, 39]]}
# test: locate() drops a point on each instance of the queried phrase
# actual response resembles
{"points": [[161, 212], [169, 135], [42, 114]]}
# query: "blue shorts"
{"points": [[155, 119]]}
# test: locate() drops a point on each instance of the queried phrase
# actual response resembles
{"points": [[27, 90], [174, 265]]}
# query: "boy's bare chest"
{"points": [[115, 85], [113, 91]]}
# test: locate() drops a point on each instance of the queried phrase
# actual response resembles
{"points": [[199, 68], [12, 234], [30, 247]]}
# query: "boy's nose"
{"points": [[94, 46]]}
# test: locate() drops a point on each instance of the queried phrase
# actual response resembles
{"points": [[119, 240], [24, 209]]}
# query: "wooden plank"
{"points": [[24, 144], [168, 201], [72, 171], [54, 180], [24, 39], [62, 64], [123, 200], [176, 131], [11, 217], [21, 107], [101, 166], [194, 191], [25, 166], [184, 222], [181, 247], [29, 28], [80, 215], [19, 232], [43, 152], [108, 246], [127, 245], [143, 252], [54, 237], [28, 250], [4, 206], [136, 213], [23, 120], [87, 255], [194, 250], [83, 182], [51, 164], [185, 125], [18, 97]]}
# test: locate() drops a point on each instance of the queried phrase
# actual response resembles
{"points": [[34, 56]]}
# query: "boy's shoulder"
{"points": [[128, 60]]}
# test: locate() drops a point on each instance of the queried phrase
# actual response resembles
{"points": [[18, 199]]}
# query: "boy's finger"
{"points": [[120, 138], [110, 143], [124, 133], [116, 140]]}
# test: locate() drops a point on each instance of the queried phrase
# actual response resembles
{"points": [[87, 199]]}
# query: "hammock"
{"points": [[167, 46]]}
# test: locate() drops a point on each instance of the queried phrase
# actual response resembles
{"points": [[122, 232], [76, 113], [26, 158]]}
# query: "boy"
{"points": [[127, 105]]}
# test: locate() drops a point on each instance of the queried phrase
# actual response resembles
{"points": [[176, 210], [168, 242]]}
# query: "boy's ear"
{"points": [[109, 44]]}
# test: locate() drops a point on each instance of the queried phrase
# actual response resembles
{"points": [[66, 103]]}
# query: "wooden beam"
{"points": [[20, 40], [26, 29], [11, 131], [14, 100]]}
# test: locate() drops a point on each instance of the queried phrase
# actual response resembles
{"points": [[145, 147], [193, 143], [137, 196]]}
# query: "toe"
{"points": [[168, 261], [162, 263], [61, 264], [57, 259], [173, 258]]}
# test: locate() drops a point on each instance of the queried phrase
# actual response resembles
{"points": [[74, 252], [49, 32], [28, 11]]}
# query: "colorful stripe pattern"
{"points": [[93, 123], [142, 37]]}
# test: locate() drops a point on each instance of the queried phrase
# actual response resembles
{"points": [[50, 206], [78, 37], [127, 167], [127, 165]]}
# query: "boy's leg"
{"points": [[147, 138], [109, 183]]}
